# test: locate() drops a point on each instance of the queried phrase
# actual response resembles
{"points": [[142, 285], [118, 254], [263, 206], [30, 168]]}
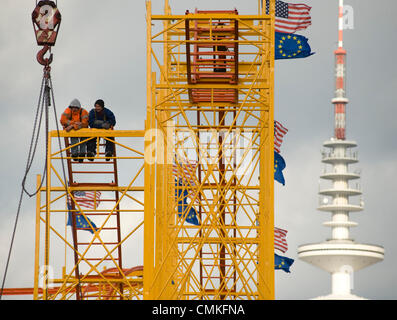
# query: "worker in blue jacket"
{"points": [[100, 118]]}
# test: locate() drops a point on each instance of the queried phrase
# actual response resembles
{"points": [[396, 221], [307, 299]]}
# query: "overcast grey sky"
{"points": [[100, 53]]}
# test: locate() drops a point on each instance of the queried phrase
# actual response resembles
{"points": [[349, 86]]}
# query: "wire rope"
{"points": [[46, 96]]}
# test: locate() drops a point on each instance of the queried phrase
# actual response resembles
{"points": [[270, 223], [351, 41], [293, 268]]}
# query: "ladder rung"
{"points": [[95, 162], [212, 53], [213, 60], [97, 259], [95, 172], [92, 184], [225, 291], [101, 296], [225, 30], [214, 74], [105, 228], [217, 277], [95, 243], [115, 212]]}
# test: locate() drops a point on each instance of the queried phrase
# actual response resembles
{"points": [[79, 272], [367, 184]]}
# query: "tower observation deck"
{"points": [[340, 255]]}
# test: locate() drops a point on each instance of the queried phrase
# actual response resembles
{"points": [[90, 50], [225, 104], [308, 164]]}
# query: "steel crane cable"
{"points": [[35, 137], [46, 92], [32, 151], [45, 97]]}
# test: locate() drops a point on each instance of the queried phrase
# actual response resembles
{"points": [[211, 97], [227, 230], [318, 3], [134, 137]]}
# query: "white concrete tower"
{"points": [[340, 255]]}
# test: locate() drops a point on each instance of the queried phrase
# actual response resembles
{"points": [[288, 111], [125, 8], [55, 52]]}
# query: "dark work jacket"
{"points": [[105, 115]]}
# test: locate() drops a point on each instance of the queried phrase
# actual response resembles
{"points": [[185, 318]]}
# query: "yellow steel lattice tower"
{"points": [[98, 259], [209, 155]]}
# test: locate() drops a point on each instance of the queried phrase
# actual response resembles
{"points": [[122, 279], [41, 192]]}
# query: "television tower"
{"points": [[340, 255]]}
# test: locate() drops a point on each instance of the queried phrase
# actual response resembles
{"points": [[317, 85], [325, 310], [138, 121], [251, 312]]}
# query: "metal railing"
{"points": [[351, 155]]}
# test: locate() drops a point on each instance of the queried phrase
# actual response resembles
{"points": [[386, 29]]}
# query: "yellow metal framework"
{"points": [[91, 264], [207, 149], [213, 158]]}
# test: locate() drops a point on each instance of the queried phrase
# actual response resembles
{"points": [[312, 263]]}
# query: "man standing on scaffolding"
{"points": [[75, 117], [101, 118]]}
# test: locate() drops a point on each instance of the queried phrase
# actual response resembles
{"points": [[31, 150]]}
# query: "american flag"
{"points": [[291, 17], [279, 132], [87, 199], [280, 240], [186, 171]]}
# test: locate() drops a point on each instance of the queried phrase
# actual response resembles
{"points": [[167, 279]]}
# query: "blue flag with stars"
{"points": [[191, 216], [291, 46], [81, 221], [282, 263], [279, 165]]}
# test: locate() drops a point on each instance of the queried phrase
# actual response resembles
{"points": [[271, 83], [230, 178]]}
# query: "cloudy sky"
{"points": [[100, 53]]}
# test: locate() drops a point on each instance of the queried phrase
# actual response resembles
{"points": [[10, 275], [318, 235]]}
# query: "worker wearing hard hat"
{"points": [[74, 118], [101, 118]]}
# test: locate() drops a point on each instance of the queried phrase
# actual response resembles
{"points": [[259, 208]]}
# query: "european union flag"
{"points": [[291, 46], [81, 221], [191, 216], [279, 165], [282, 263]]}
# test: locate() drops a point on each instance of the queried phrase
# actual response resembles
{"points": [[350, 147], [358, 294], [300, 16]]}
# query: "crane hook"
{"points": [[40, 56]]}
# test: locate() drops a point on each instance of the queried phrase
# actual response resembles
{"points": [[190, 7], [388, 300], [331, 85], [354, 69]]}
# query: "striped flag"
{"points": [[185, 171], [279, 132], [280, 240], [291, 17], [87, 199]]}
